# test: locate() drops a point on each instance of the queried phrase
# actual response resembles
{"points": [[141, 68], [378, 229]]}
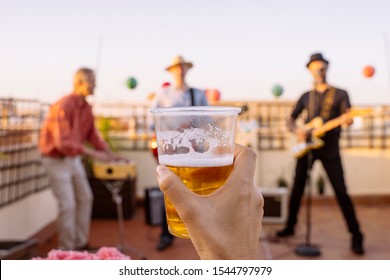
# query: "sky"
{"points": [[241, 47]]}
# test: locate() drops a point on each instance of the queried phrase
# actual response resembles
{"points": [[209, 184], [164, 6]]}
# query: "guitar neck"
{"points": [[333, 123], [329, 125]]}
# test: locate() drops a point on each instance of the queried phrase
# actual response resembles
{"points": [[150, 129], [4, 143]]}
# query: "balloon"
{"points": [[131, 83], [213, 95], [151, 96], [166, 84], [277, 90], [368, 71]]}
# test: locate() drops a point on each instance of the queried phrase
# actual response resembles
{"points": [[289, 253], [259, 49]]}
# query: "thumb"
{"points": [[173, 187]]}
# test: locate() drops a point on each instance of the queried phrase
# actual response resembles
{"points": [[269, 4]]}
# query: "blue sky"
{"points": [[241, 47]]}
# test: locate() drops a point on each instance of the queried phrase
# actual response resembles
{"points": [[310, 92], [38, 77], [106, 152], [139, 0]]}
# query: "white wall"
{"points": [[26, 217], [146, 170], [366, 170]]}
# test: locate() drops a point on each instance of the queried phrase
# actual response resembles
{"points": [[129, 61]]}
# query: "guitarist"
{"points": [[327, 102]]}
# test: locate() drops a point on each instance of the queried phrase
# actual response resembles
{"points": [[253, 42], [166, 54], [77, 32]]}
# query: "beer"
{"points": [[196, 143], [200, 175]]}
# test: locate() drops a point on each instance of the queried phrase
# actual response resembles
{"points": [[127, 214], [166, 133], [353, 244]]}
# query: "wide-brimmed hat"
{"points": [[316, 57], [179, 60]]}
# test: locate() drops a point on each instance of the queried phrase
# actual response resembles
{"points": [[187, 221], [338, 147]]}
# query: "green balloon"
{"points": [[277, 90], [131, 83]]}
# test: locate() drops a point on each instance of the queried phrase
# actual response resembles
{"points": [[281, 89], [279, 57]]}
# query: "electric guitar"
{"points": [[319, 128]]}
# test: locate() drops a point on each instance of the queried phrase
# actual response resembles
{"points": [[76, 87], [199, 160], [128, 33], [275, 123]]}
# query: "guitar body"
{"points": [[319, 128], [302, 148]]}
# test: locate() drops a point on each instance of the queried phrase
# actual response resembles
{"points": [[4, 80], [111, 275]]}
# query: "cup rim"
{"points": [[197, 110]]}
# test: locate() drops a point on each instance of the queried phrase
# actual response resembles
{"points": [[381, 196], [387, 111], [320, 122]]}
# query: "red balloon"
{"points": [[368, 71], [153, 147], [166, 84], [213, 95]]}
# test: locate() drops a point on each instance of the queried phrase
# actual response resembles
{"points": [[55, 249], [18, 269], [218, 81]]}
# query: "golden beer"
{"points": [[196, 143], [200, 180]]}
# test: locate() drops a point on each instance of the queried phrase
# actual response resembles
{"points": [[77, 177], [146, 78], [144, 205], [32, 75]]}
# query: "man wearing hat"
{"points": [[180, 94], [327, 102], [177, 95]]}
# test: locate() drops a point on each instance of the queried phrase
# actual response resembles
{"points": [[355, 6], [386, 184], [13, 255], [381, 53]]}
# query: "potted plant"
{"points": [[281, 182]]}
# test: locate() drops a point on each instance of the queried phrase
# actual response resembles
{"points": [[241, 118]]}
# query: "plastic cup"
{"points": [[197, 144]]}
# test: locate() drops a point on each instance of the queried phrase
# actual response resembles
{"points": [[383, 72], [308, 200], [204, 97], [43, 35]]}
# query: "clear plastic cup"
{"points": [[196, 143]]}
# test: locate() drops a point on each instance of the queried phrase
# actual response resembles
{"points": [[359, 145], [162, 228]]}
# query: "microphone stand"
{"points": [[307, 249]]}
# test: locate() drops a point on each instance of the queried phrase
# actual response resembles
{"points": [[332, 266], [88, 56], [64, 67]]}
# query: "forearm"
{"points": [[291, 125], [96, 154]]}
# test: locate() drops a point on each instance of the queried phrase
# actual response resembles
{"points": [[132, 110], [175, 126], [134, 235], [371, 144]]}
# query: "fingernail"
{"points": [[160, 170]]}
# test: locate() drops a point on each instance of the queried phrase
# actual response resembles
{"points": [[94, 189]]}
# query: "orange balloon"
{"points": [[151, 96], [368, 71]]}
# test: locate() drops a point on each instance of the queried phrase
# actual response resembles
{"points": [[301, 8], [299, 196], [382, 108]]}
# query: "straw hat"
{"points": [[179, 60]]}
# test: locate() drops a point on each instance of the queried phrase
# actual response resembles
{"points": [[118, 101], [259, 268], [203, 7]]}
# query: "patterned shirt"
{"points": [[69, 124]]}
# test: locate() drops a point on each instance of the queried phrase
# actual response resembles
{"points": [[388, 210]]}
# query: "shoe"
{"points": [[357, 244], [285, 232], [165, 242]]}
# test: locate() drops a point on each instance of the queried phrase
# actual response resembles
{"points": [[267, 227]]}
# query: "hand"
{"points": [[346, 119], [120, 158], [98, 155], [302, 134], [113, 157], [225, 224], [101, 156]]}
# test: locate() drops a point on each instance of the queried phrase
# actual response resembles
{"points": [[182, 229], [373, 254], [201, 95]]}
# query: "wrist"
{"points": [[225, 249]]}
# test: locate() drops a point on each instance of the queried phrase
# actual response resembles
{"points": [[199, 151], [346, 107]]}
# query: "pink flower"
{"points": [[111, 253], [104, 253]]}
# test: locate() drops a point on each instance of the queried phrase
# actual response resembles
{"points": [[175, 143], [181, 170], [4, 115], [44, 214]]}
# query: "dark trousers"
{"points": [[334, 170]]}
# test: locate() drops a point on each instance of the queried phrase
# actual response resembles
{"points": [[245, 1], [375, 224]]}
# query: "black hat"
{"points": [[316, 57]]}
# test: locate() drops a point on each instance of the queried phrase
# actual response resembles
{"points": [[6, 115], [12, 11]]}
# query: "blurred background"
{"points": [[243, 48]]}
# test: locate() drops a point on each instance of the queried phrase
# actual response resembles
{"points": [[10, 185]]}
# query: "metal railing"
{"points": [[130, 128], [21, 171], [371, 130], [267, 118]]}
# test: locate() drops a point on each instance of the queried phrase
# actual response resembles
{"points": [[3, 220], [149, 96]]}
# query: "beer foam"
{"points": [[213, 136], [188, 161]]}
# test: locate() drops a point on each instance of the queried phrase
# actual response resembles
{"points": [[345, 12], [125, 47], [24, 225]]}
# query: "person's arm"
{"points": [[101, 149], [300, 133], [291, 126], [225, 224], [59, 124], [345, 106]]}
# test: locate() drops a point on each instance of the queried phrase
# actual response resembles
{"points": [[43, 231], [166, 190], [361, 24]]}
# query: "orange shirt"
{"points": [[67, 127]]}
